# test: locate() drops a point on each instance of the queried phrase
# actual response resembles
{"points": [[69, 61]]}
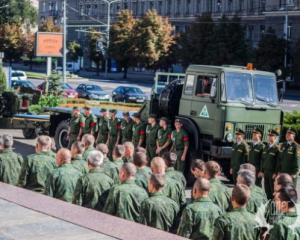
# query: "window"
{"points": [[198, 8], [203, 86], [159, 9], [81, 10], [208, 5], [168, 5], [241, 5], [44, 7], [189, 85], [219, 5], [142, 8], [265, 89], [251, 5], [134, 8], [250, 32], [125, 5], [229, 6], [55, 6], [151, 4], [95, 10], [88, 9]]}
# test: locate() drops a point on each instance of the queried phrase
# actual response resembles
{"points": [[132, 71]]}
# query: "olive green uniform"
{"points": [[180, 140], [138, 133], [289, 159], [86, 153], [76, 123], [103, 130], [255, 155], [114, 131], [126, 130], [163, 136], [151, 136], [91, 124], [239, 155]]}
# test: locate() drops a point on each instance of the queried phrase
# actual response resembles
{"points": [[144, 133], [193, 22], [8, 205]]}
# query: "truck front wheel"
{"points": [[30, 133], [61, 134]]}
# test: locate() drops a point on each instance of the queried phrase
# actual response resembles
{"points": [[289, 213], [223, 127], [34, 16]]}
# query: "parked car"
{"points": [[18, 83], [68, 91], [18, 75], [92, 92], [128, 94]]}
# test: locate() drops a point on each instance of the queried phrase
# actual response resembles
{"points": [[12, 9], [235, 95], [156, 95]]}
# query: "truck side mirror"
{"points": [[213, 88]]}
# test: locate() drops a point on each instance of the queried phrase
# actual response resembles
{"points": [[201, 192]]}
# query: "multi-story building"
{"points": [[257, 15]]}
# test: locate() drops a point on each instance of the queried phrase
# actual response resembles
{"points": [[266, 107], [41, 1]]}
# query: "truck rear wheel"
{"points": [[61, 134], [192, 154], [30, 133]]}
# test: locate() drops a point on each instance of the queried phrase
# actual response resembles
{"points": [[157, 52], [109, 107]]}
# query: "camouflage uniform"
{"points": [[163, 136], [51, 154], [126, 130], [35, 170], [10, 166], [110, 169], [114, 132], [125, 200], [151, 136], [256, 200], [138, 133], [103, 130], [219, 194], [79, 164], [75, 124], [236, 225], [142, 177], [239, 155], [92, 190], [197, 221], [87, 152], [61, 182], [91, 124], [180, 140], [118, 164], [255, 156], [130, 159], [158, 211], [178, 176]]}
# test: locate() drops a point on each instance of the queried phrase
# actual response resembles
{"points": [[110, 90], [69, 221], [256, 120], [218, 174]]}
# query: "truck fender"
{"points": [[192, 129]]}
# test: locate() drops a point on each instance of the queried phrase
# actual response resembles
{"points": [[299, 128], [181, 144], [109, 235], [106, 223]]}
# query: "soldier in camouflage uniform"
{"points": [[77, 160], [163, 142], [89, 141], [197, 221], [129, 151], [143, 172], [289, 155], [237, 224], [10, 162], [151, 136], [118, 154], [269, 163], [255, 152], [114, 130], [92, 189], [37, 166], [103, 127], [163, 208], [75, 129], [126, 127], [132, 196], [61, 181], [138, 135], [239, 153], [91, 122], [180, 145]]}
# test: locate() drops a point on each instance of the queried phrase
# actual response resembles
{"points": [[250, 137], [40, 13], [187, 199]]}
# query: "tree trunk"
{"points": [[98, 68], [30, 63], [125, 73]]}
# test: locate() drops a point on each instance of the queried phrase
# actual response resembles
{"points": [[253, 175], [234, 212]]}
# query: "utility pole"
{"points": [[64, 2]]}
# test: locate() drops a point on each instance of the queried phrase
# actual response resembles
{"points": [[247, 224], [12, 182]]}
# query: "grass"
{"points": [[35, 75]]}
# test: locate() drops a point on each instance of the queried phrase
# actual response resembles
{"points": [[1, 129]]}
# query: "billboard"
{"points": [[49, 44]]}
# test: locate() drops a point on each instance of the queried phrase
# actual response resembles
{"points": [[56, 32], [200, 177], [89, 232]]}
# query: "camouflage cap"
{"points": [[126, 113], [239, 131], [177, 120], [136, 115], [272, 132], [257, 130], [87, 107], [152, 116], [292, 130], [76, 108], [165, 119], [103, 110], [113, 110]]}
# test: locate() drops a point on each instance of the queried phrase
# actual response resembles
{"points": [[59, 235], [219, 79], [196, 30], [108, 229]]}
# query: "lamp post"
{"points": [[64, 2]]}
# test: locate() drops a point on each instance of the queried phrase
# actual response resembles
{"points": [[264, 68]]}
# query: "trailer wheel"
{"points": [[61, 134], [192, 154], [30, 133]]}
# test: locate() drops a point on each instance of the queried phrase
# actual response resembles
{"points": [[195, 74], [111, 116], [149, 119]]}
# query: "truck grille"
{"points": [[249, 129]]}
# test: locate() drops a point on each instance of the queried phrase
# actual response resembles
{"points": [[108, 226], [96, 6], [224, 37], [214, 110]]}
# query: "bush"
{"points": [[3, 84], [37, 109], [291, 120], [49, 101]]}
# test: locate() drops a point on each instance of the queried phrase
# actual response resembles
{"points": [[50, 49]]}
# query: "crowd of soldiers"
{"points": [[113, 173]]}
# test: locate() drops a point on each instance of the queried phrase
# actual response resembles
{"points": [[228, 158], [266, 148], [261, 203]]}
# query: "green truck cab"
{"points": [[236, 97]]}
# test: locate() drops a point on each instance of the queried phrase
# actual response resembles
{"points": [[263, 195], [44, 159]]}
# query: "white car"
{"points": [[18, 75]]}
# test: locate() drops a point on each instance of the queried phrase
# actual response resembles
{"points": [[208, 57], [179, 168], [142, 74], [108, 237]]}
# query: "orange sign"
{"points": [[49, 44]]}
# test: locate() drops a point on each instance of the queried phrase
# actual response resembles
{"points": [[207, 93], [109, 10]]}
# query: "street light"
{"points": [[64, 2]]}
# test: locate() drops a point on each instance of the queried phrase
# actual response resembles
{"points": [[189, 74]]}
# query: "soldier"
{"points": [[50, 152], [142, 171], [180, 145], [197, 221], [239, 153], [126, 127], [92, 189], [75, 129], [255, 152], [138, 135], [10, 162], [289, 155], [118, 154], [129, 151], [103, 127], [77, 161], [91, 122], [132, 196], [198, 168], [163, 142], [89, 141], [163, 208], [151, 136], [37, 166], [269, 163], [114, 130], [219, 193], [61, 181]]}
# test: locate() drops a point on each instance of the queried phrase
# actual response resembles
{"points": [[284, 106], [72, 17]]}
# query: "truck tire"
{"points": [[30, 133], [226, 172], [61, 134], [192, 154]]}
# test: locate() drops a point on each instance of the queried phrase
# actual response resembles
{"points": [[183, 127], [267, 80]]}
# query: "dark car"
{"points": [[128, 94], [92, 92], [68, 91], [18, 83]]}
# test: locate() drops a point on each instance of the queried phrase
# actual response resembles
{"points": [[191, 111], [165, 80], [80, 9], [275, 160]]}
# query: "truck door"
{"points": [[187, 95]]}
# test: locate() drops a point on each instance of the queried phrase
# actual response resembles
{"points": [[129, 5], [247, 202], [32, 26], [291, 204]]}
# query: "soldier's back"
{"points": [[10, 166], [142, 177], [176, 175], [256, 200], [81, 165], [219, 194], [87, 152]]}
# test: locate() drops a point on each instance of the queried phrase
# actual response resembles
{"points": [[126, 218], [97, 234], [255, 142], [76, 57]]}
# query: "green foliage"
{"points": [[75, 51], [36, 108], [291, 119], [54, 82], [49, 101], [95, 56], [49, 26], [3, 83]]}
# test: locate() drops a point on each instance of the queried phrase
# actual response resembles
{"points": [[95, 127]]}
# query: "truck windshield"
{"points": [[265, 89]]}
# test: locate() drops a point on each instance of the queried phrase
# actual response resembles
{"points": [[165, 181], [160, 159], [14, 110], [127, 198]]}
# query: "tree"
{"points": [[3, 83], [95, 56], [121, 40], [28, 44], [75, 51], [49, 26]]}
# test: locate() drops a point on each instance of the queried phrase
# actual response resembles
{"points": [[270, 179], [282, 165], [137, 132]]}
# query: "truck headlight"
{"points": [[229, 137]]}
